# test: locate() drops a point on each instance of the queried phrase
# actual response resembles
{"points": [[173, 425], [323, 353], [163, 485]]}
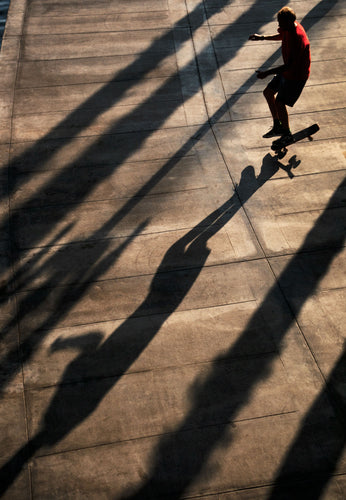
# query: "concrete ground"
{"points": [[172, 295]]}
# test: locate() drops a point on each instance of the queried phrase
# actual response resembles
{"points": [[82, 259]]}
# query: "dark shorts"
{"points": [[288, 90]]}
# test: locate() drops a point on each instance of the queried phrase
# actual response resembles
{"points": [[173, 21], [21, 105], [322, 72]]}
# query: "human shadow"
{"points": [[323, 430], [74, 402], [180, 457]]}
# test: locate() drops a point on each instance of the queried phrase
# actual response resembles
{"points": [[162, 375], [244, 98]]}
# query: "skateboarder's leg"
{"points": [[269, 95], [282, 114]]}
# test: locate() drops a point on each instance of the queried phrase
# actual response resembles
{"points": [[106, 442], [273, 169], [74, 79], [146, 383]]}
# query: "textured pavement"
{"points": [[172, 296]]}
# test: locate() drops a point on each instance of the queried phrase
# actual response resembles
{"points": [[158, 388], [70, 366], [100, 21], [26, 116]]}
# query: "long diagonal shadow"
{"points": [[68, 409], [312, 486], [179, 460]]}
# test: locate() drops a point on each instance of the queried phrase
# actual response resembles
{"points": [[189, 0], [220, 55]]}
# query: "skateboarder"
{"points": [[290, 78]]}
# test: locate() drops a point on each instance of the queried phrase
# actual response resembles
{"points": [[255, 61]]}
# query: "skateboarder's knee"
{"points": [[280, 104], [268, 94]]}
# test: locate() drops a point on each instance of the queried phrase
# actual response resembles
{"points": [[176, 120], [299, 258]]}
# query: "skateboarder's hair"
{"points": [[287, 13]]}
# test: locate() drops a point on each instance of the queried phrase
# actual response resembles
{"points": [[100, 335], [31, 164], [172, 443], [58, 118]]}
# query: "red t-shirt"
{"points": [[296, 53]]}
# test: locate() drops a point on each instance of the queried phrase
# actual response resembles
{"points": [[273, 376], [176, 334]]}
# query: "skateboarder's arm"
{"points": [[255, 37], [273, 71]]}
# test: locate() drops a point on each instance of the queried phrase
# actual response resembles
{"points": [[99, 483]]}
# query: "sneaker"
{"points": [[286, 135], [274, 132]]}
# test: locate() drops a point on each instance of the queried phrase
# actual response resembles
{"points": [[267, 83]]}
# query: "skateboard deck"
{"points": [[280, 145]]}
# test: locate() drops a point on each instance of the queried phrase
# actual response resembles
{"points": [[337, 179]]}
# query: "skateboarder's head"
{"points": [[286, 18]]}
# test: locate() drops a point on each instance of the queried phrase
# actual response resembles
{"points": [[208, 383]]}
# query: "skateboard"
{"points": [[280, 145]]}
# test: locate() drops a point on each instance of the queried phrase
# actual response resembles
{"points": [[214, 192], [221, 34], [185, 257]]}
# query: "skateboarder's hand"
{"points": [[261, 74]]}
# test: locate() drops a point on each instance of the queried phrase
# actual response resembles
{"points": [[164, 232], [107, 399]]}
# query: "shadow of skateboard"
{"points": [[280, 145]]}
